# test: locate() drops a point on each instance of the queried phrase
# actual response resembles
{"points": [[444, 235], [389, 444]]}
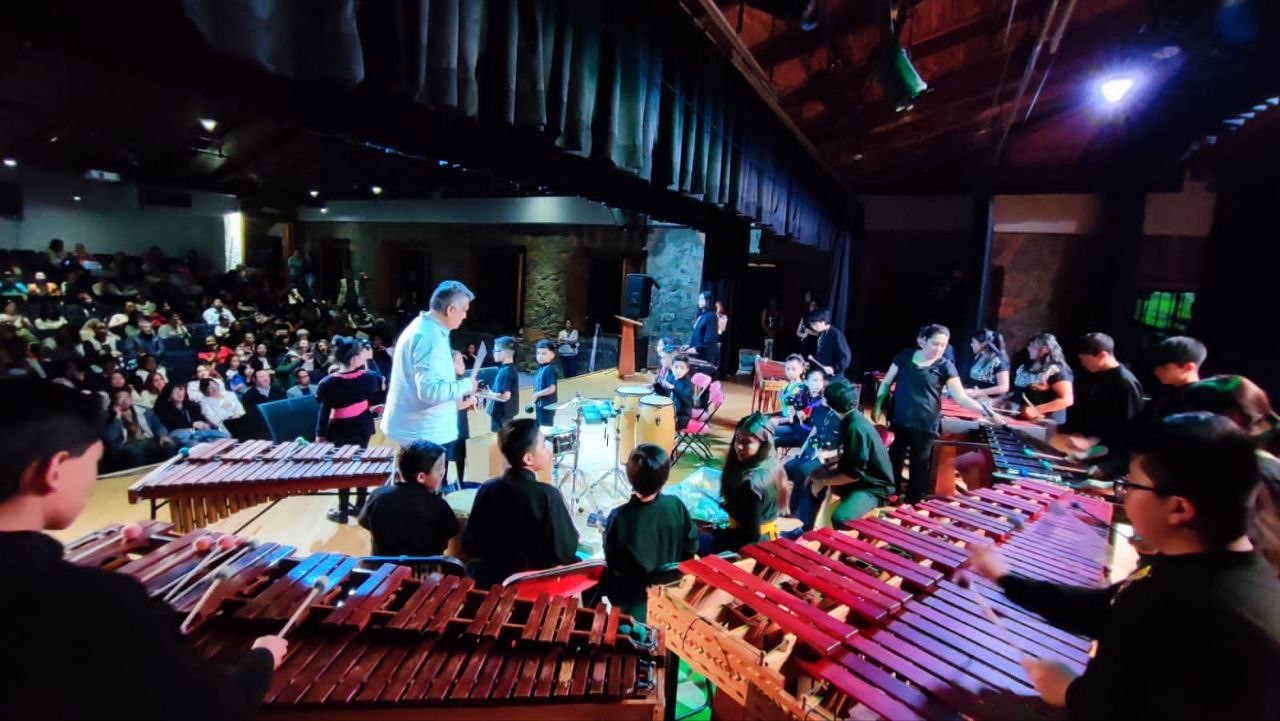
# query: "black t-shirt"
{"points": [[518, 524], [1040, 397], [507, 379], [641, 537], [1105, 403], [407, 519], [917, 395]]}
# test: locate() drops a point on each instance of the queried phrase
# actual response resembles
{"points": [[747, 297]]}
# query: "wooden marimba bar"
{"points": [[220, 478], [379, 641], [880, 619]]}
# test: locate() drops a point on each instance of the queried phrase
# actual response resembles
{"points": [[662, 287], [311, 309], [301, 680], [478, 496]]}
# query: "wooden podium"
{"points": [[627, 349]]}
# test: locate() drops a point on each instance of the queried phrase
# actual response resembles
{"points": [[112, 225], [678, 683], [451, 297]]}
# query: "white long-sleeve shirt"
{"points": [[422, 391]]}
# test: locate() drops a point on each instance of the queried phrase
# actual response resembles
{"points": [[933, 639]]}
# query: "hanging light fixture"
{"points": [[890, 64]]}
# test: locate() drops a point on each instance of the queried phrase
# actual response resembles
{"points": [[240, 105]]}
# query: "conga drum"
{"points": [[627, 399], [657, 423], [461, 503]]}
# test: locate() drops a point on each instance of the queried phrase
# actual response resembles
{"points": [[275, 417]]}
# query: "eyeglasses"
{"points": [[1124, 485]]}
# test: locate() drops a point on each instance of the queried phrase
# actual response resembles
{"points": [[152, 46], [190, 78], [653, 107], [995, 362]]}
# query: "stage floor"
{"points": [[300, 520]]}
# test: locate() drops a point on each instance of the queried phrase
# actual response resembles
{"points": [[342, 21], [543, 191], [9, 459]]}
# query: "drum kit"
{"points": [[635, 415]]}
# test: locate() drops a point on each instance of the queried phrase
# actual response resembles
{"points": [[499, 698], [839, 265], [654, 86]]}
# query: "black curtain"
{"points": [[633, 84]]}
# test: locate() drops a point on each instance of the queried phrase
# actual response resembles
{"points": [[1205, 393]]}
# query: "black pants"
{"points": [[916, 445], [458, 454]]}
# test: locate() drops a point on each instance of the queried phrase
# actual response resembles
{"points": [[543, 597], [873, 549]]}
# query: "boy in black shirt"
{"points": [[409, 518], [1196, 634], [1107, 398], [833, 353], [1176, 364], [83, 642], [518, 523], [645, 533], [544, 383], [680, 388], [506, 384], [863, 477]]}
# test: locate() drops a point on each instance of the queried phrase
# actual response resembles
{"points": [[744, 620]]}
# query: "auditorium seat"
{"points": [[290, 419]]}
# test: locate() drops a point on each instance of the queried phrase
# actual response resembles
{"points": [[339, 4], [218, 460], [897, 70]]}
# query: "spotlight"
{"points": [[890, 65], [324, 211], [209, 124], [315, 194], [76, 198], [10, 162], [376, 189], [1115, 89]]}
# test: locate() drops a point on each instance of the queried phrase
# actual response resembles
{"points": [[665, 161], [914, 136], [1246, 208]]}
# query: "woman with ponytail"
{"points": [[989, 374], [346, 402]]}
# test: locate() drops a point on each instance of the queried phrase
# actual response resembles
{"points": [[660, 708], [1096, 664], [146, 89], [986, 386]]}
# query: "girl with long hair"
{"points": [[1045, 385], [753, 486], [706, 330]]}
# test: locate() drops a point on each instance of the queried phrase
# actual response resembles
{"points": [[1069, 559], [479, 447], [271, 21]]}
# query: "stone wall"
{"points": [[675, 261]]}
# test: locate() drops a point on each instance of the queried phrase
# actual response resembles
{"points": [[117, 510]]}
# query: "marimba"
{"points": [[220, 478], [379, 642], [879, 619], [958, 420]]}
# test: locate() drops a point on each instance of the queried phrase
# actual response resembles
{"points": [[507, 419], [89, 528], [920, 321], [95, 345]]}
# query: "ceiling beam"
{"points": [[835, 24]]}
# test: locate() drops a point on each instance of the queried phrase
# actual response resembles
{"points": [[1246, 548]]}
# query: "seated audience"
{"points": [[219, 406], [519, 523], [187, 426], [409, 517], [133, 436], [263, 390]]}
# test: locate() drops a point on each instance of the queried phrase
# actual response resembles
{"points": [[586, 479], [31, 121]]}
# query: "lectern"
{"points": [[627, 350]]}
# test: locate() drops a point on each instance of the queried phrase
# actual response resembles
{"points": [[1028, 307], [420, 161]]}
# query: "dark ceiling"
{"points": [[1199, 61]]}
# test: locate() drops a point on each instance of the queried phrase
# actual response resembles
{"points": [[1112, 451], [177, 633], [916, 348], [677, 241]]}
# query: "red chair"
{"points": [[886, 435], [696, 434], [563, 581]]}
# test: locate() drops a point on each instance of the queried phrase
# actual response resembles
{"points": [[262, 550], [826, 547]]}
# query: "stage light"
{"points": [[896, 75], [76, 198], [209, 124], [324, 211], [376, 189], [10, 163], [315, 194], [1115, 89]]}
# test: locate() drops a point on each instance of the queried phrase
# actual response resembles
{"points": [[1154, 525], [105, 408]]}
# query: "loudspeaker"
{"points": [[636, 295]]}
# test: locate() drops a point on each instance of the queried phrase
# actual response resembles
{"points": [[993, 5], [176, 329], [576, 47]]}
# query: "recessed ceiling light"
{"points": [[857, 156], [53, 138], [324, 211], [10, 163], [376, 189], [209, 124], [77, 198], [1115, 89], [315, 194]]}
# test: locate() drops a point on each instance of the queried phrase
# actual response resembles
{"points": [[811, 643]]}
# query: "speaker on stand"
{"points": [[637, 295]]}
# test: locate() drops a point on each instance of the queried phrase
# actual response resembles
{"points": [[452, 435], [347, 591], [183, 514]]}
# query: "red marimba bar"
{"points": [[220, 478]]}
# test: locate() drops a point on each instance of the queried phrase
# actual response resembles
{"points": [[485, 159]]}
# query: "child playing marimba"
{"points": [[83, 642]]}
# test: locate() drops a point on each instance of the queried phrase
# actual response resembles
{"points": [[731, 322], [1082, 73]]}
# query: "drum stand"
{"points": [[573, 474], [617, 474]]}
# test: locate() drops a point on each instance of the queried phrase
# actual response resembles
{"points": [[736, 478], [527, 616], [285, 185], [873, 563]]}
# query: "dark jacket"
{"points": [[518, 524]]}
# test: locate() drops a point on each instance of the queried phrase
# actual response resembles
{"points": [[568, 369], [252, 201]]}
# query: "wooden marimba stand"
{"points": [[627, 348]]}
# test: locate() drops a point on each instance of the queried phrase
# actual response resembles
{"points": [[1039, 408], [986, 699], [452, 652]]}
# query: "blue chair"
{"points": [[174, 345], [291, 419]]}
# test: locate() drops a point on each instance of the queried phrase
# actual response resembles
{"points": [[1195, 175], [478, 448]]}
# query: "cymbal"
{"points": [[575, 402]]}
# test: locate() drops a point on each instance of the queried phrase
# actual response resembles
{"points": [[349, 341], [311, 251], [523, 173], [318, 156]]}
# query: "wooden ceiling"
{"points": [[973, 54]]}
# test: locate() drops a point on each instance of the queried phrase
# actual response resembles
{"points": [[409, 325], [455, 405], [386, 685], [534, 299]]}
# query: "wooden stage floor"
{"points": [[300, 520]]}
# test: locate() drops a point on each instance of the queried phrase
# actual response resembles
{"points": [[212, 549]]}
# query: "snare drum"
{"points": [[657, 423], [563, 439], [461, 503], [627, 398]]}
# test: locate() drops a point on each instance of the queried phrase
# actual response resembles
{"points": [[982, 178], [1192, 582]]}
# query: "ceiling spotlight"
{"points": [[76, 198], [10, 162], [315, 194], [1166, 52], [1115, 89], [53, 138], [209, 124], [857, 156], [324, 211], [376, 189]]}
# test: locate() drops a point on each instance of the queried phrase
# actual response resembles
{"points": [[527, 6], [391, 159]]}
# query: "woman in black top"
{"points": [[706, 330], [182, 418], [1046, 381], [989, 373], [346, 417], [917, 404]]}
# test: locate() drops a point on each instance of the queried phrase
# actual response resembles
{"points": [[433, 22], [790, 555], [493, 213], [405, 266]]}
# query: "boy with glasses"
{"points": [[1195, 634]]}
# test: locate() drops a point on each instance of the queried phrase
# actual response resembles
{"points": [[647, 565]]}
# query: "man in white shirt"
{"points": [[216, 311], [568, 342], [423, 390]]}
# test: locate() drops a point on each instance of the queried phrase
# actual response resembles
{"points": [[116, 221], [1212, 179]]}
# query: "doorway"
{"points": [[604, 294]]}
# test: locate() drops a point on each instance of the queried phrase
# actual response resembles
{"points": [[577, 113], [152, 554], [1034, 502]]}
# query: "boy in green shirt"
{"points": [[863, 476], [645, 533]]}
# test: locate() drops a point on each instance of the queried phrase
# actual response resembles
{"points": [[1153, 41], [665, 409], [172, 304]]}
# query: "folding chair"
{"points": [[695, 436], [563, 581], [701, 382]]}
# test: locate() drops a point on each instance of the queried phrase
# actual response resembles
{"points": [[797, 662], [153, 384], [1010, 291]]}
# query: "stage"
{"points": [[300, 520]]}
